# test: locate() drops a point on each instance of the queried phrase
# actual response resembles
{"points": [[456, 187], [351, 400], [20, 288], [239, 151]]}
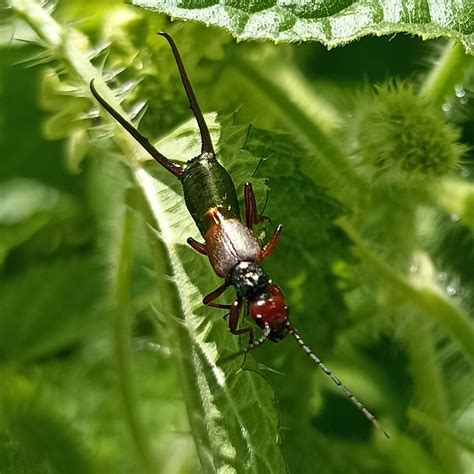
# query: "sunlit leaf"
{"points": [[333, 23]]}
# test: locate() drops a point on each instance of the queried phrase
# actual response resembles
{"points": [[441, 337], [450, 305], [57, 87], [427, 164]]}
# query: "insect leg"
{"points": [[270, 247], [251, 217], [173, 168], [200, 248], [234, 321], [213, 295]]}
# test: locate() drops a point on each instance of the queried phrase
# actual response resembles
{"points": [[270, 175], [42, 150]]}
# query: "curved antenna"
{"points": [[206, 143], [177, 170], [343, 388]]}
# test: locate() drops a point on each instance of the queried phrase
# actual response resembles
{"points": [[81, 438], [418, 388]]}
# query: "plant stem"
{"points": [[178, 336], [228, 435], [331, 161], [456, 196], [64, 42], [426, 374], [206, 385], [430, 390], [122, 342], [449, 71], [432, 424], [39, 21], [427, 298], [57, 39]]}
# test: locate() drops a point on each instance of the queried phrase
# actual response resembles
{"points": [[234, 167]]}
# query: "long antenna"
{"points": [[206, 146], [177, 170], [344, 389]]}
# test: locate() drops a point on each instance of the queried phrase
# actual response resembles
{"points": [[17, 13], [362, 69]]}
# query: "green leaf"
{"points": [[333, 23], [42, 310], [37, 439], [299, 263], [26, 207]]}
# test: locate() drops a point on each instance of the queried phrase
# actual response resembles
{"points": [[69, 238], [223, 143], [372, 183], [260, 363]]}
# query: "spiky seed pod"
{"points": [[400, 138]]}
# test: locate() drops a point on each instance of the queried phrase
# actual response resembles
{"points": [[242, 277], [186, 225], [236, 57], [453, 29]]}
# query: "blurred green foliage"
{"points": [[109, 362]]}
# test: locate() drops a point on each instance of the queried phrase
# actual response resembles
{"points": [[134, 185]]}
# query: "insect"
{"points": [[233, 251]]}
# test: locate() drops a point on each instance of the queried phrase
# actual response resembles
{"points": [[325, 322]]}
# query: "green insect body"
{"points": [[207, 185]]}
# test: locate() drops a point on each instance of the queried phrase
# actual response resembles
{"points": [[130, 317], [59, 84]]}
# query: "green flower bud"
{"points": [[400, 138]]}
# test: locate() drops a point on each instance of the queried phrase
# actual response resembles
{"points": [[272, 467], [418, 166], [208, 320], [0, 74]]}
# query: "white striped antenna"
{"points": [[343, 388]]}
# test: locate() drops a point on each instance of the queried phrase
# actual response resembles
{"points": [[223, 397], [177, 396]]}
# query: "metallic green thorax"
{"points": [[207, 184]]}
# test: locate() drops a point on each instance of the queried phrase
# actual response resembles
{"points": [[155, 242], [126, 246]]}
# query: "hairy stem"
{"points": [[456, 196], [432, 424], [448, 71], [427, 377], [430, 389], [39, 21], [62, 43], [122, 342], [427, 297], [233, 427], [170, 304]]}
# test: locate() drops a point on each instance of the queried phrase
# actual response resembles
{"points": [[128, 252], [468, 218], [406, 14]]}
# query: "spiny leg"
{"points": [[270, 247], [250, 206], [206, 146], [234, 311], [251, 215], [200, 248], [173, 168], [213, 295], [252, 218], [234, 321]]}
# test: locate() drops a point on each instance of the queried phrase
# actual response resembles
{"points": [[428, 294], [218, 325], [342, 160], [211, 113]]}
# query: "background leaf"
{"points": [[58, 317], [333, 23], [29, 209]]}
